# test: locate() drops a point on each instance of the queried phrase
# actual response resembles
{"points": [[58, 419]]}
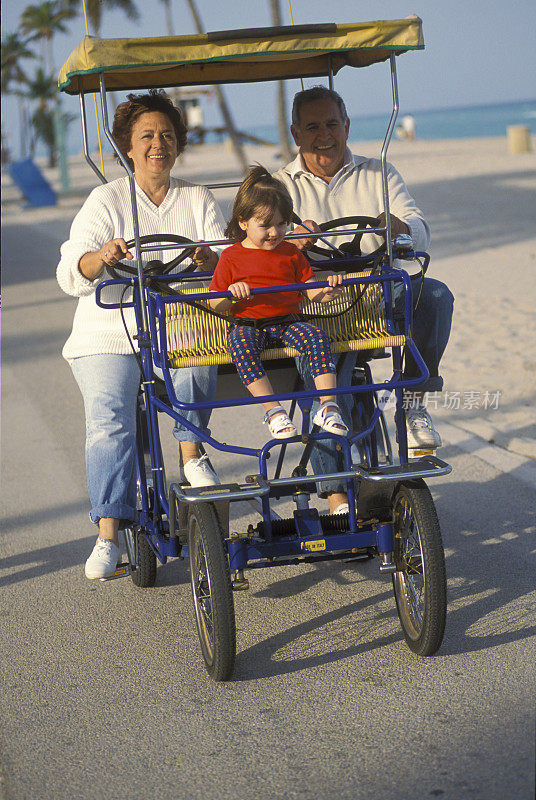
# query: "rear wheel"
{"points": [[420, 580], [211, 590], [373, 449], [142, 556]]}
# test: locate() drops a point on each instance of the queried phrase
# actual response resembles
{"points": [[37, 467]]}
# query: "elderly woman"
{"points": [[151, 133]]}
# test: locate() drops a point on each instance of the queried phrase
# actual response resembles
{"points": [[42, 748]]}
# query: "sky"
{"points": [[476, 52]]}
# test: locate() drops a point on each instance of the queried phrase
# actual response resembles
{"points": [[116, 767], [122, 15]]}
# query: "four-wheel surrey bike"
{"points": [[391, 513]]}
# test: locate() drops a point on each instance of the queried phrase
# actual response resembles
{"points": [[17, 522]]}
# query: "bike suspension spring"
{"points": [[287, 527]]}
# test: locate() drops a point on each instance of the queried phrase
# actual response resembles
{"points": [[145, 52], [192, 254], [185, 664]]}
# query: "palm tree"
{"points": [[222, 102], [96, 7], [13, 51], [169, 21], [42, 22], [42, 89], [175, 92], [282, 120]]}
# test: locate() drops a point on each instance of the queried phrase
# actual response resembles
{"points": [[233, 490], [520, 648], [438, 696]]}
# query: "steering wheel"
{"points": [[157, 267], [351, 248]]}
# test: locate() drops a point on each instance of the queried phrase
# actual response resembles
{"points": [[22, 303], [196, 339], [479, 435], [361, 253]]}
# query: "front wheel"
{"points": [[211, 591], [420, 580]]}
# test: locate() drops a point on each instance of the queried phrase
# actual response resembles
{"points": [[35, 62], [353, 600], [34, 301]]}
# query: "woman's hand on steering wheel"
{"points": [[114, 251], [202, 257], [156, 267]]}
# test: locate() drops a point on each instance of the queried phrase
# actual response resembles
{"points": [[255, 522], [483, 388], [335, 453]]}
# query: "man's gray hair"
{"points": [[310, 96]]}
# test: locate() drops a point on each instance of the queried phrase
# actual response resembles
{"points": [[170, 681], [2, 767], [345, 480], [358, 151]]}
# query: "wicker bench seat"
{"points": [[194, 338]]}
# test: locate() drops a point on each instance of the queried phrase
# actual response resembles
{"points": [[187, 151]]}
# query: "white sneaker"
{"points": [[343, 508], [103, 560], [198, 472], [420, 429]]}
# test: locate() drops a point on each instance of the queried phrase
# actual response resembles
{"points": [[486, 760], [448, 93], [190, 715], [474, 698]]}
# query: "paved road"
{"points": [[103, 690]]}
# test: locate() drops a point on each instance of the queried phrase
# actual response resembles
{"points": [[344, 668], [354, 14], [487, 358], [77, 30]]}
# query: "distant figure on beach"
{"points": [[408, 126], [150, 133], [326, 181], [195, 121], [262, 212]]}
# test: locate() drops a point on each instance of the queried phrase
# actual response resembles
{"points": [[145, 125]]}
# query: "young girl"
{"points": [[261, 213]]}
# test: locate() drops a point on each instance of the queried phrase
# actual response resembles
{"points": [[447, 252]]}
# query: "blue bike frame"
{"points": [[309, 535]]}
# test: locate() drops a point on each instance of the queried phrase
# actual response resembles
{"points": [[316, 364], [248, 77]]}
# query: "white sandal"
{"points": [[281, 426], [330, 420]]}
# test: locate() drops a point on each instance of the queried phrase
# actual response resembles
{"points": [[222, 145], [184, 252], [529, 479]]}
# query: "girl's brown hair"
{"points": [[127, 113], [259, 195]]}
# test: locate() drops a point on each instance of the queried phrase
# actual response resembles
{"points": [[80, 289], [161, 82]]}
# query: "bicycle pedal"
{"points": [[239, 583], [121, 571], [421, 452]]}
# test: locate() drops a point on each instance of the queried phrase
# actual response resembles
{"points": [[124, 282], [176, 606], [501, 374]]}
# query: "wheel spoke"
{"points": [[414, 599], [411, 564], [203, 597]]}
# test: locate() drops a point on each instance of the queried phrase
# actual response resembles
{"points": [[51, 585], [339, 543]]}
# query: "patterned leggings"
{"points": [[246, 344]]}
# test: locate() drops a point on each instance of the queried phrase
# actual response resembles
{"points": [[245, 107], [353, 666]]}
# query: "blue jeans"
{"points": [[432, 320], [109, 385], [431, 330]]}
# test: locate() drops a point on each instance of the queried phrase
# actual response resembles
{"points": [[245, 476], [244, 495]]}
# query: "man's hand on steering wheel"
{"points": [[306, 243], [353, 247], [349, 248], [397, 225], [205, 258]]}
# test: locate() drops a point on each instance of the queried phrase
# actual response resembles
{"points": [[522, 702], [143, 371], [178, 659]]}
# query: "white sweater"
{"points": [[188, 210], [356, 190]]}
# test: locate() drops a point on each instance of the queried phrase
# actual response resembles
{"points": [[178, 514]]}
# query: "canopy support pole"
{"points": [[88, 158], [134, 205], [385, 146], [330, 74]]}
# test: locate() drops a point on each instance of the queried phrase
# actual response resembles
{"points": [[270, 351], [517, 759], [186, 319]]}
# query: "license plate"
{"points": [[314, 545]]}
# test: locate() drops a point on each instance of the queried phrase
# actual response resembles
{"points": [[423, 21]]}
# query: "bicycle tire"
{"points": [[144, 576], [420, 580], [212, 595]]}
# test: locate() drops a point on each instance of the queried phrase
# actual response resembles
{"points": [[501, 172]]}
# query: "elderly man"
{"points": [[326, 181]]}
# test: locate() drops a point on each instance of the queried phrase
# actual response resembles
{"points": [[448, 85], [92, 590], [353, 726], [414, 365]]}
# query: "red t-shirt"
{"points": [[283, 265]]}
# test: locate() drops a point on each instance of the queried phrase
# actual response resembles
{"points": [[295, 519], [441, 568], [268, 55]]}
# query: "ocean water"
{"points": [[443, 123]]}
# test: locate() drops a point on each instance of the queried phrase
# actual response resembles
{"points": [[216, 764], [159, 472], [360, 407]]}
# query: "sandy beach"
{"points": [[480, 202]]}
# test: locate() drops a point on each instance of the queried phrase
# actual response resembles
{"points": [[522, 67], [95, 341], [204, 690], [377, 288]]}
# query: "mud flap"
{"points": [[375, 500]]}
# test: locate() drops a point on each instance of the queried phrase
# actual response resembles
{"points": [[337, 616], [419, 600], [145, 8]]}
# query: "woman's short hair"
{"points": [[313, 94], [259, 194], [127, 113]]}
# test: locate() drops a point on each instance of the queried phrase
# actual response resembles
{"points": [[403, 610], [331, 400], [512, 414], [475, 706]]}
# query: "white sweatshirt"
{"points": [[187, 210], [356, 190]]}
